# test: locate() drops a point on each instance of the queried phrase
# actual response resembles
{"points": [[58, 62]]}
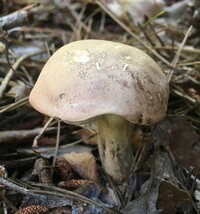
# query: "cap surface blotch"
{"points": [[81, 56]]}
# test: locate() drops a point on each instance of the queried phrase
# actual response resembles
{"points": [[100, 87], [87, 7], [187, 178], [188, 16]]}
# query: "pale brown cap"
{"points": [[89, 78]]}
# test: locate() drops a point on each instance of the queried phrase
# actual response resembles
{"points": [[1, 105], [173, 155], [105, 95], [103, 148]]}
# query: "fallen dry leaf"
{"points": [[43, 170], [181, 137], [170, 197], [84, 164], [161, 169]]}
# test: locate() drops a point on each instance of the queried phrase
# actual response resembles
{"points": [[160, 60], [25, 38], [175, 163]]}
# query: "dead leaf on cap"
{"points": [[84, 164]]}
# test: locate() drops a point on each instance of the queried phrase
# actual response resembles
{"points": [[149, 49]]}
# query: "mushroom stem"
{"points": [[114, 136]]}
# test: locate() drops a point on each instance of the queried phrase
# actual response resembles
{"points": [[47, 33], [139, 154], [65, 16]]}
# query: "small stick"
{"points": [[53, 190], [57, 144], [14, 19], [20, 189], [17, 18], [146, 35], [14, 136], [6, 201], [35, 142], [176, 57], [15, 105]]}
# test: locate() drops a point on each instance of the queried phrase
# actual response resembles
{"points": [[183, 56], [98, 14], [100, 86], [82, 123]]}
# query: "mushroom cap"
{"points": [[86, 79]]}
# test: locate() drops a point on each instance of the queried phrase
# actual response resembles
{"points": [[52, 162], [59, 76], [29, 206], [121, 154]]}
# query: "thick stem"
{"points": [[114, 136]]}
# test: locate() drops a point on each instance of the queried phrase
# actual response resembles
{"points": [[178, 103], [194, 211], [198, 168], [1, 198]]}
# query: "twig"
{"points": [[14, 19], [185, 49], [156, 35], [17, 18], [43, 196], [115, 189], [20, 189], [14, 105], [184, 96], [146, 35], [15, 136], [18, 163], [35, 142], [189, 64], [190, 197], [77, 18], [176, 57], [57, 144], [72, 195], [6, 201], [48, 150]]}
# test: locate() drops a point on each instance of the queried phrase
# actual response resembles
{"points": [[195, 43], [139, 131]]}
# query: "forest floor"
{"points": [[165, 176]]}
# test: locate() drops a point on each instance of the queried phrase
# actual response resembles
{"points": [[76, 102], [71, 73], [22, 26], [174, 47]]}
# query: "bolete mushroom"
{"points": [[109, 84]]}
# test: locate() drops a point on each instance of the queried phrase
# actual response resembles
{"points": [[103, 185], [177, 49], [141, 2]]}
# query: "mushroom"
{"points": [[109, 84]]}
